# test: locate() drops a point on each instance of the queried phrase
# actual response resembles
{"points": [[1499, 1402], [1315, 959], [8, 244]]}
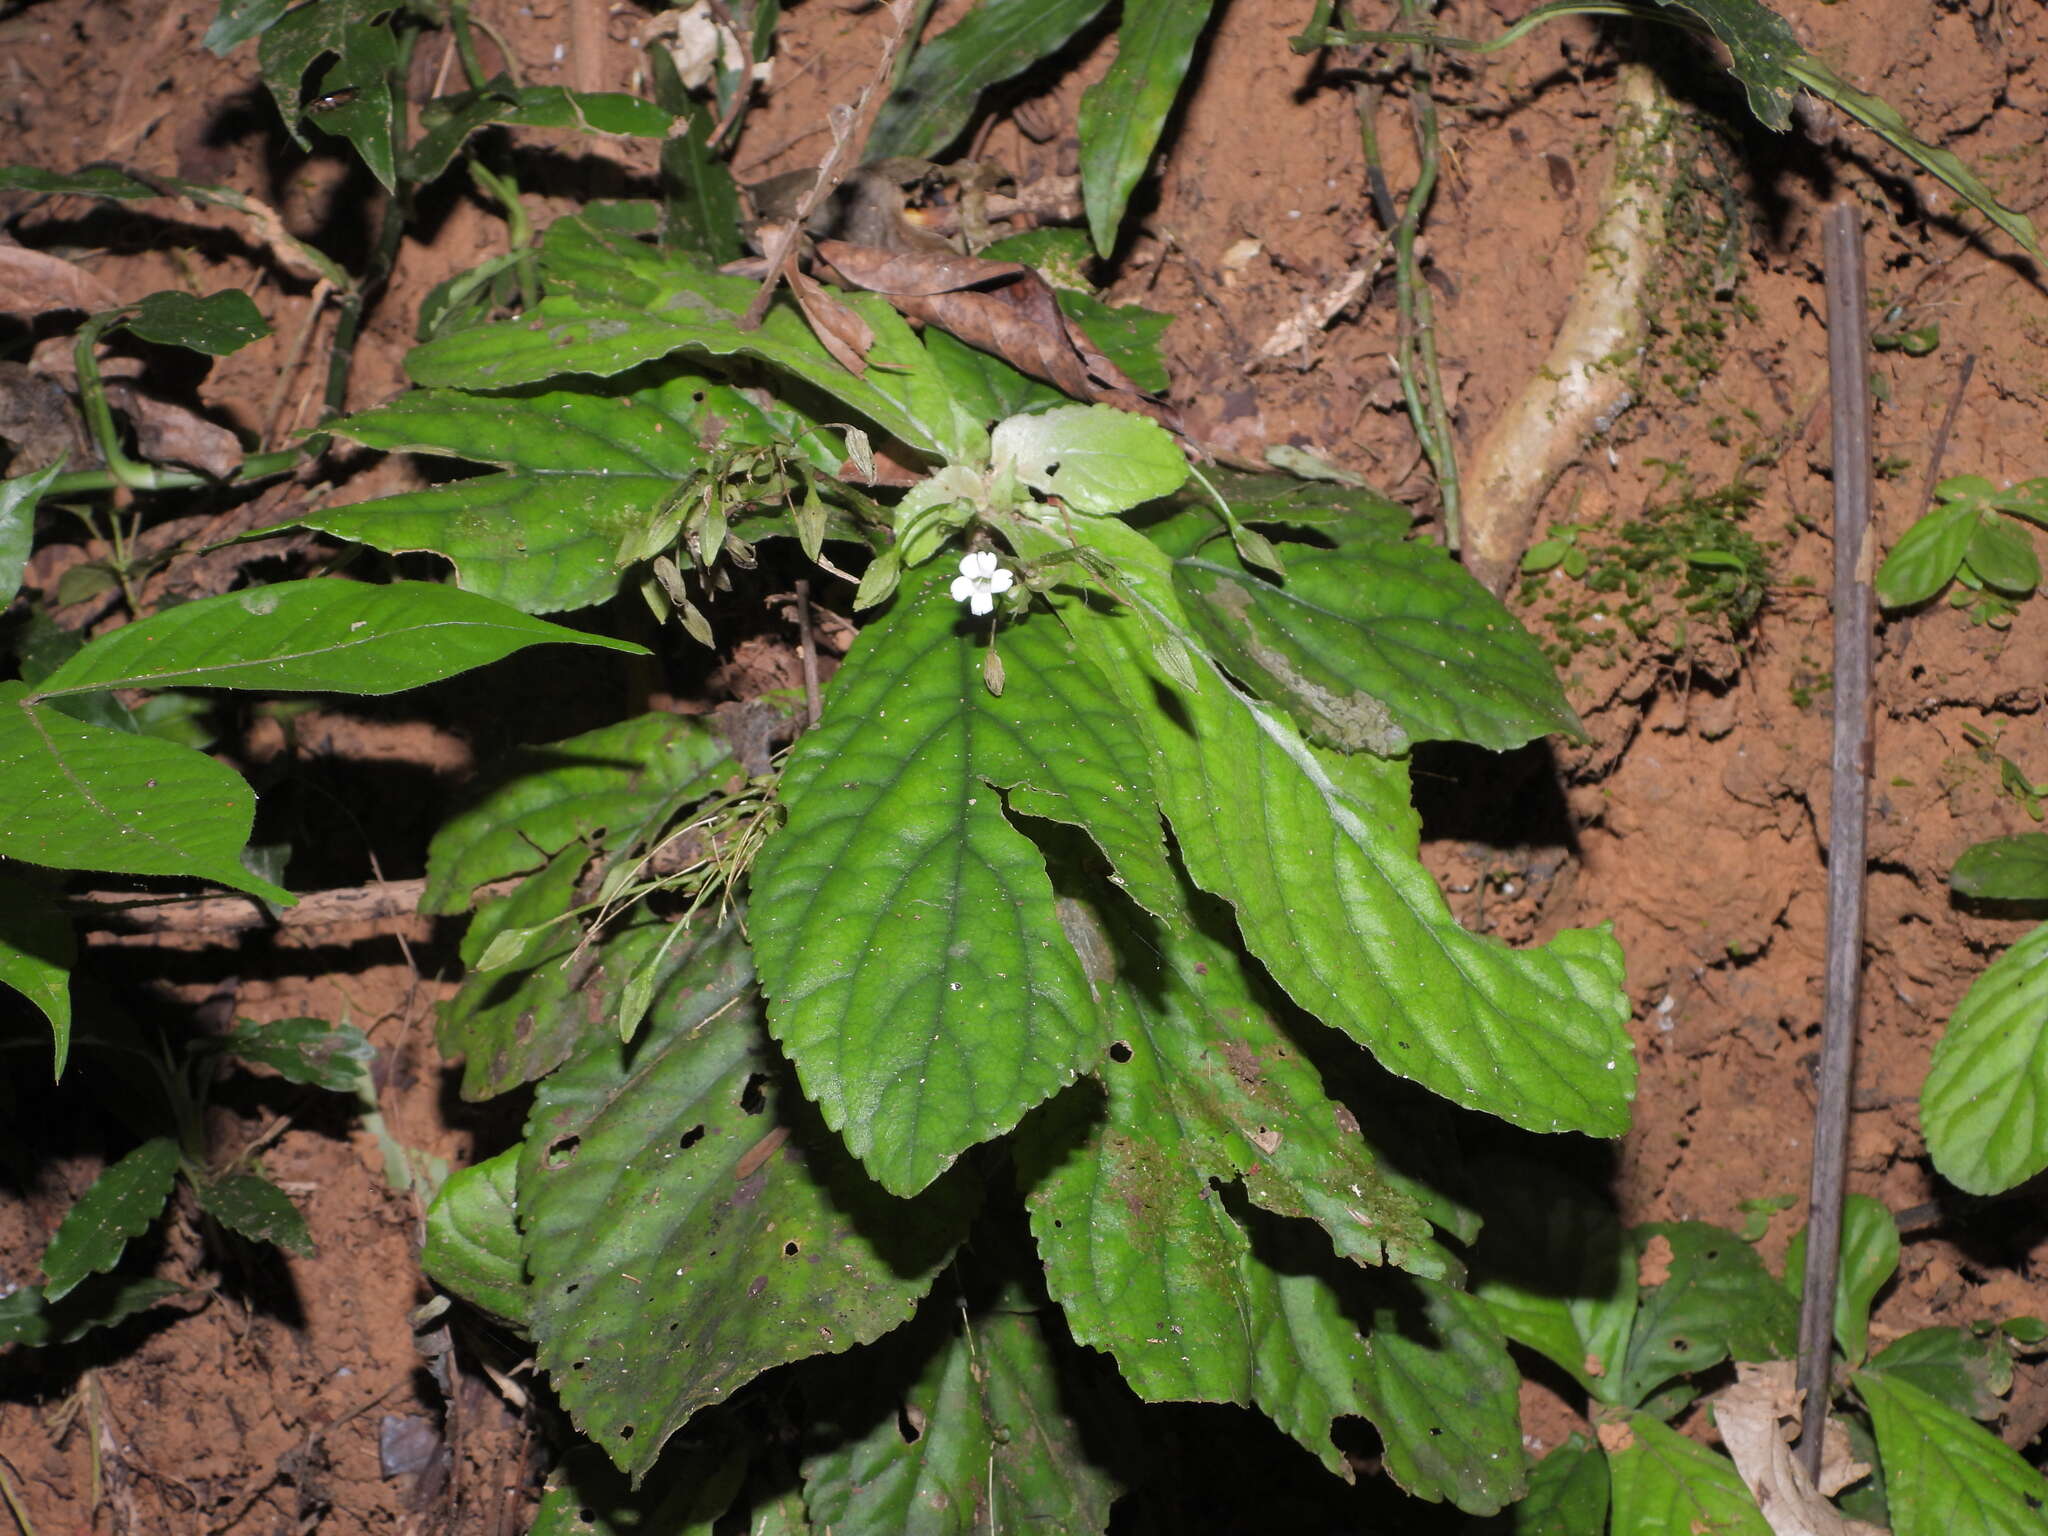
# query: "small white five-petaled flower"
{"points": [[980, 582]]}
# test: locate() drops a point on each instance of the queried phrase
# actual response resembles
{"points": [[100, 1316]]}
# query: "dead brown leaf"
{"points": [[171, 434], [843, 333], [39, 422], [1754, 1417], [33, 283]]}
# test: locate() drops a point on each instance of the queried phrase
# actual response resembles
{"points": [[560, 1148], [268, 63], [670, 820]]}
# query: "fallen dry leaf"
{"points": [[1754, 1417], [171, 434], [39, 421], [844, 334], [33, 283]]}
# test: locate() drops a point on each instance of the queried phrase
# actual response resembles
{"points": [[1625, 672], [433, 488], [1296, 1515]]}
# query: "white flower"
{"points": [[980, 581]]}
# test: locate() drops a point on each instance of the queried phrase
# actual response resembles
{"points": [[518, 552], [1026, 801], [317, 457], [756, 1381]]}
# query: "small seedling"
{"points": [[1975, 536]]}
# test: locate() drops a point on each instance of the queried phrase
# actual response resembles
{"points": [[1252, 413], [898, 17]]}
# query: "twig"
{"points": [[807, 648], [122, 913], [1849, 788], [1948, 424], [850, 128], [300, 346]]}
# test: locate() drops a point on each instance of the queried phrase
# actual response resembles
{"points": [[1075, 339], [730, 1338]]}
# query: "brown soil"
{"points": [[1694, 820]]}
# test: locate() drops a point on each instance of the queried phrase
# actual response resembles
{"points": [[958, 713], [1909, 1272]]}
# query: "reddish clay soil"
{"points": [[1695, 820]]}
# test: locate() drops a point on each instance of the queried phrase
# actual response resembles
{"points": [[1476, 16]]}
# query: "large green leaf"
{"points": [[339, 636], [122, 1203], [688, 1223], [913, 959], [37, 950], [472, 1243], [29, 1318], [1317, 854], [1717, 1302], [993, 41], [1567, 1496], [1095, 458], [1122, 114], [618, 781], [1943, 1474], [1869, 1258], [581, 470], [78, 796], [1667, 1485], [1377, 645], [2004, 869], [357, 82], [1760, 47], [991, 1450], [1984, 1105], [614, 304]]}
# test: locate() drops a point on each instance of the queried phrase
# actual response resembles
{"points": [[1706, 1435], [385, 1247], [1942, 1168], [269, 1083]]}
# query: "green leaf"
{"points": [[313, 636], [619, 782], [1928, 554], [1761, 47], [449, 121], [1718, 1303], [1095, 458], [688, 1224], [992, 42], [684, 1495], [1557, 1272], [312, 1051], [700, 202], [365, 59], [914, 962], [2028, 499], [1984, 1106], [217, 325], [37, 951], [1127, 334], [19, 495], [1869, 1258], [2004, 869], [1567, 1496], [986, 387], [255, 1208], [239, 20], [1317, 854], [77, 796], [2002, 556], [122, 1203], [1122, 114], [1965, 1373], [1378, 646], [28, 1318], [1665, 1485], [994, 1450], [1944, 1475], [472, 1244]]}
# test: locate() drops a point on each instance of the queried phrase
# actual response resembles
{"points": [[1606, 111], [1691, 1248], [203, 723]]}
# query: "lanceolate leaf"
{"points": [[1984, 1106], [18, 497], [1376, 646], [472, 1245], [995, 40], [330, 1056], [1664, 1483], [914, 963], [1869, 1258], [121, 1204], [218, 324], [1123, 113], [37, 948], [77, 796], [339, 636], [27, 1317], [689, 1224], [1944, 1475], [993, 1449], [1317, 854], [255, 1208]]}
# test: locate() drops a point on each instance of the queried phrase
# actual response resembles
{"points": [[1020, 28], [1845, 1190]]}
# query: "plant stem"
{"points": [[149, 477], [1849, 388]]}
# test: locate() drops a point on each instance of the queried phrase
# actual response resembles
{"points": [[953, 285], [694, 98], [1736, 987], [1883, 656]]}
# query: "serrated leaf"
{"points": [[1567, 1496], [313, 1051], [255, 1208], [123, 1203], [37, 951], [992, 42], [1122, 114], [2004, 869], [2001, 555], [1718, 1303], [1944, 1475], [472, 1242], [618, 783], [914, 963], [219, 324], [27, 1318], [78, 796], [365, 57], [994, 1450], [1984, 1106], [689, 1224], [1317, 855], [1666, 1485], [1965, 1373], [614, 303], [685, 1495], [1375, 647], [19, 495], [313, 636], [1095, 458], [1928, 554], [1869, 1258], [1557, 1272]]}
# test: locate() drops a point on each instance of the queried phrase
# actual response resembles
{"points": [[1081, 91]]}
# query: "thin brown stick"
{"points": [[1948, 425], [301, 344], [1849, 790], [807, 649], [123, 914], [850, 128]]}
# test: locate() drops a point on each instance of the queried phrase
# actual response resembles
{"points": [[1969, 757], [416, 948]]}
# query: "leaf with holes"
{"points": [[1715, 1301], [689, 1224], [355, 85], [1664, 1483], [912, 955], [1122, 114], [1943, 1474], [472, 1242], [1869, 1258], [1984, 1105], [123, 1203]]}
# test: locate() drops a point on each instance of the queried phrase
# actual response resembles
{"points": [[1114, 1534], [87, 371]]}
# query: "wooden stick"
{"points": [[1849, 792], [126, 917]]}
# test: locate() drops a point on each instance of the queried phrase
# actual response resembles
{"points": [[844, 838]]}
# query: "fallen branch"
{"points": [[118, 917]]}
